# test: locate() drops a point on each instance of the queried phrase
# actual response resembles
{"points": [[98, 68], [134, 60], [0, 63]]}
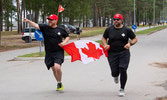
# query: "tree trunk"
{"points": [[108, 21], [7, 24], [138, 17], [11, 26], [18, 16], [60, 19], [1, 15], [94, 14], [100, 20], [87, 21], [83, 21], [143, 18], [80, 21], [24, 13], [129, 16], [20, 22], [36, 16], [71, 21], [104, 21]]}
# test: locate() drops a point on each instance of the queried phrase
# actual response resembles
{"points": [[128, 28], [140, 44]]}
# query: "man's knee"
{"points": [[57, 66], [122, 70], [115, 74]]}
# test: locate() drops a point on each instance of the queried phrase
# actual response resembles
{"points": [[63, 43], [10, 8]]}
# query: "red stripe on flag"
{"points": [[105, 51], [73, 51]]}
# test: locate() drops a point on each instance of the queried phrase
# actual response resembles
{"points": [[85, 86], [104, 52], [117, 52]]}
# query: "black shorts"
{"points": [[78, 33], [56, 57], [119, 60]]}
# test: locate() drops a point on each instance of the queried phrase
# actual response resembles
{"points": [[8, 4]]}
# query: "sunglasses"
{"points": [[51, 19], [116, 19]]}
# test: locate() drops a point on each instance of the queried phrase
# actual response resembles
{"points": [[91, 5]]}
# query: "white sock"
{"points": [[59, 81]]}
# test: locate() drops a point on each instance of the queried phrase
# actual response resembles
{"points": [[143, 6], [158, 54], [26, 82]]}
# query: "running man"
{"points": [[53, 40], [118, 44]]}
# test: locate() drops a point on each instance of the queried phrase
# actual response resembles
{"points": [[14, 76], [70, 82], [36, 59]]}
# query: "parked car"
{"points": [[69, 28], [28, 35]]}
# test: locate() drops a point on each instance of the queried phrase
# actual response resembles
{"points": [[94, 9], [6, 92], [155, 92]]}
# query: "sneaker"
{"points": [[60, 87], [121, 93], [116, 80]]}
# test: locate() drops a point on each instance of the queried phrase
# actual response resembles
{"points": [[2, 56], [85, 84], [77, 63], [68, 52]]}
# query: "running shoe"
{"points": [[60, 87], [121, 93], [116, 80]]}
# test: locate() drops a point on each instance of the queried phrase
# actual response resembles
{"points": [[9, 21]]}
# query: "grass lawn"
{"points": [[7, 33], [37, 54], [151, 30]]}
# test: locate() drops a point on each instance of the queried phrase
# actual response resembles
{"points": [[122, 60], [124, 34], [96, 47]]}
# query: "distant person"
{"points": [[149, 24], [118, 46], [78, 32], [53, 40]]}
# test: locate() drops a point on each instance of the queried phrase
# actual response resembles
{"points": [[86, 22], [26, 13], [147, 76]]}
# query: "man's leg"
{"points": [[123, 65], [123, 77], [114, 66], [57, 72]]}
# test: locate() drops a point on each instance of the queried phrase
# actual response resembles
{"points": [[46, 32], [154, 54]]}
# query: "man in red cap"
{"points": [[116, 41], [53, 40]]}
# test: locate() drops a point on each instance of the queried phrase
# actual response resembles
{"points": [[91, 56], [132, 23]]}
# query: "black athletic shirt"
{"points": [[52, 37], [118, 38]]}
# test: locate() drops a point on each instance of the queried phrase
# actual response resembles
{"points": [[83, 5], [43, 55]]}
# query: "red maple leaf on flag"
{"points": [[92, 51]]}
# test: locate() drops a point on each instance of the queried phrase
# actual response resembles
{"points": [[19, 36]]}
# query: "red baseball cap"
{"points": [[53, 17], [118, 16]]}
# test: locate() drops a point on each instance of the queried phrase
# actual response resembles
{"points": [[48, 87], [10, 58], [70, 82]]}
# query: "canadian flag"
{"points": [[60, 8], [85, 51]]}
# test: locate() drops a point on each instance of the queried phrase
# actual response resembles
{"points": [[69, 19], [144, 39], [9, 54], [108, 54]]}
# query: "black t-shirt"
{"points": [[118, 38], [52, 37]]}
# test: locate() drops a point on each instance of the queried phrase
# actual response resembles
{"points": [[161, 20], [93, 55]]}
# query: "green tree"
{"points": [[9, 11]]}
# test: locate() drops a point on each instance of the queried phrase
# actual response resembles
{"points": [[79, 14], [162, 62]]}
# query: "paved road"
{"points": [[30, 80]]}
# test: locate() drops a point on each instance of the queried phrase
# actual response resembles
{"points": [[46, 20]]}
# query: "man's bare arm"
{"points": [[64, 42], [104, 41], [33, 24]]}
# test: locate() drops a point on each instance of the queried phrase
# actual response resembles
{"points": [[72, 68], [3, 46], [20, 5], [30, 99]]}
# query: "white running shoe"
{"points": [[116, 80], [121, 93]]}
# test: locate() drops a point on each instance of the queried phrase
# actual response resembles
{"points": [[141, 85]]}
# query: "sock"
{"points": [[59, 81]]}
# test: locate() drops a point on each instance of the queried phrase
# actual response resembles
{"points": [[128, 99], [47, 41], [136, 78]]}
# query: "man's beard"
{"points": [[118, 24], [52, 24]]}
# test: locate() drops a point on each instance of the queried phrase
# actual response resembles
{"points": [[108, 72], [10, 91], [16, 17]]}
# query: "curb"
{"points": [[35, 58]]}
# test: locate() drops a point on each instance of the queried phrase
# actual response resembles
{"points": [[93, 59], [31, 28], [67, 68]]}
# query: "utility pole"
{"points": [[163, 13], [154, 13], [134, 15], [1, 22]]}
